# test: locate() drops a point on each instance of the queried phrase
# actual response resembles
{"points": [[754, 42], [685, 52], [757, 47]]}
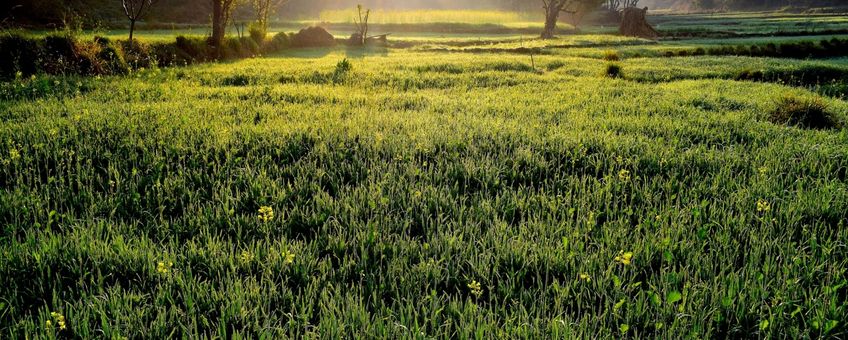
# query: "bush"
{"points": [[803, 112], [610, 55], [60, 56], [257, 33], [137, 54], [613, 71], [279, 42], [189, 50], [112, 57], [19, 54], [342, 69]]}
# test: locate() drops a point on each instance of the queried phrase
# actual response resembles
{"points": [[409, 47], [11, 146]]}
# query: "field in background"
{"points": [[452, 184], [435, 16]]}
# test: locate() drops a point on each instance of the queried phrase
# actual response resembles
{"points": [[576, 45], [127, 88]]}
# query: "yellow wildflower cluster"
{"points": [[585, 277], [288, 257], [59, 319], [476, 288], [246, 257], [624, 257], [164, 267], [763, 206], [624, 175], [266, 213]]}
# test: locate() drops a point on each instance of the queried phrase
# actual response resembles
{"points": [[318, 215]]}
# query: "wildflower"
{"points": [[14, 154], [624, 175], [417, 194], [60, 320], [762, 170], [475, 288], [164, 267], [763, 206], [585, 277], [624, 257], [266, 213], [289, 258], [246, 257], [18, 75]]}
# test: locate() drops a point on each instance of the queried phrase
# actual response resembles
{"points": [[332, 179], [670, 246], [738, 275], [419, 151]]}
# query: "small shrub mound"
{"points": [[613, 71], [803, 112], [313, 37]]}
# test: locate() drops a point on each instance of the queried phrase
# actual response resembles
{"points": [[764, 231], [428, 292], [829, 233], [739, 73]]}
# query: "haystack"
{"points": [[634, 24], [313, 37]]}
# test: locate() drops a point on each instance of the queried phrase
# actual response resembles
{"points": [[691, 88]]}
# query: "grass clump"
{"points": [[613, 70], [809, 113], [611, 55]]}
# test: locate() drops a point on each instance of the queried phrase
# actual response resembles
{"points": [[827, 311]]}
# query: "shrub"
{"points": [[193, 49], [613, 71], [137, 54], [19, 54], [257, 33], [60, 56], [610, 55], [342, 69], [111, 56], [699, 51], [279, 42], [803, 112]]}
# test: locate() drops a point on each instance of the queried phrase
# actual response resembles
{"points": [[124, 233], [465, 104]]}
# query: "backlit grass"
{"points": [[423, 194]]}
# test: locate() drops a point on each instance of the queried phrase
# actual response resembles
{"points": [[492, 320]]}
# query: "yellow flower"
{"points": [[763, 170], [475, 288], [246, 257], [59, 318], [289, 258], [585, 277], [266, 213], [164, 267], [763, 206], [14, 154], [624, 257], [624, 175]]}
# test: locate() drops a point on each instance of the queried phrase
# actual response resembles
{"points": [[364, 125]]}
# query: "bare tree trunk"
{"points": [[132, 29], [219, 23], [551, 17]]}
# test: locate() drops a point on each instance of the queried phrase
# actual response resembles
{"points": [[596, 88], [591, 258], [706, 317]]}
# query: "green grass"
{"points": [[418, 193], [394, 195]]}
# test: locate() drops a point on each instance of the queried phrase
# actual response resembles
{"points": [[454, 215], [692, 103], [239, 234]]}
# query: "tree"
{"points": [[221, 10], [135, 10], [580, 10], [264, 9], [552, 10], [361, 25]]}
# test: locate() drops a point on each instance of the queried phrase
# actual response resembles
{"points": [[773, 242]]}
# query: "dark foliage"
{"points": [[804, 113]]}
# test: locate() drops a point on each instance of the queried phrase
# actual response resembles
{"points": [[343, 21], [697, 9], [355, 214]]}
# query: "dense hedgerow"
{"points": [[834, 47], [65, 54]]}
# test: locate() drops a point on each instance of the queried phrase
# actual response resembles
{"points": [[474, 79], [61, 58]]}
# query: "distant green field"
{"points": [[453, 186]]}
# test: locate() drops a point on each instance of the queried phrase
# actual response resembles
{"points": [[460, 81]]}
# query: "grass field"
{"points": [[426, 193]]}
